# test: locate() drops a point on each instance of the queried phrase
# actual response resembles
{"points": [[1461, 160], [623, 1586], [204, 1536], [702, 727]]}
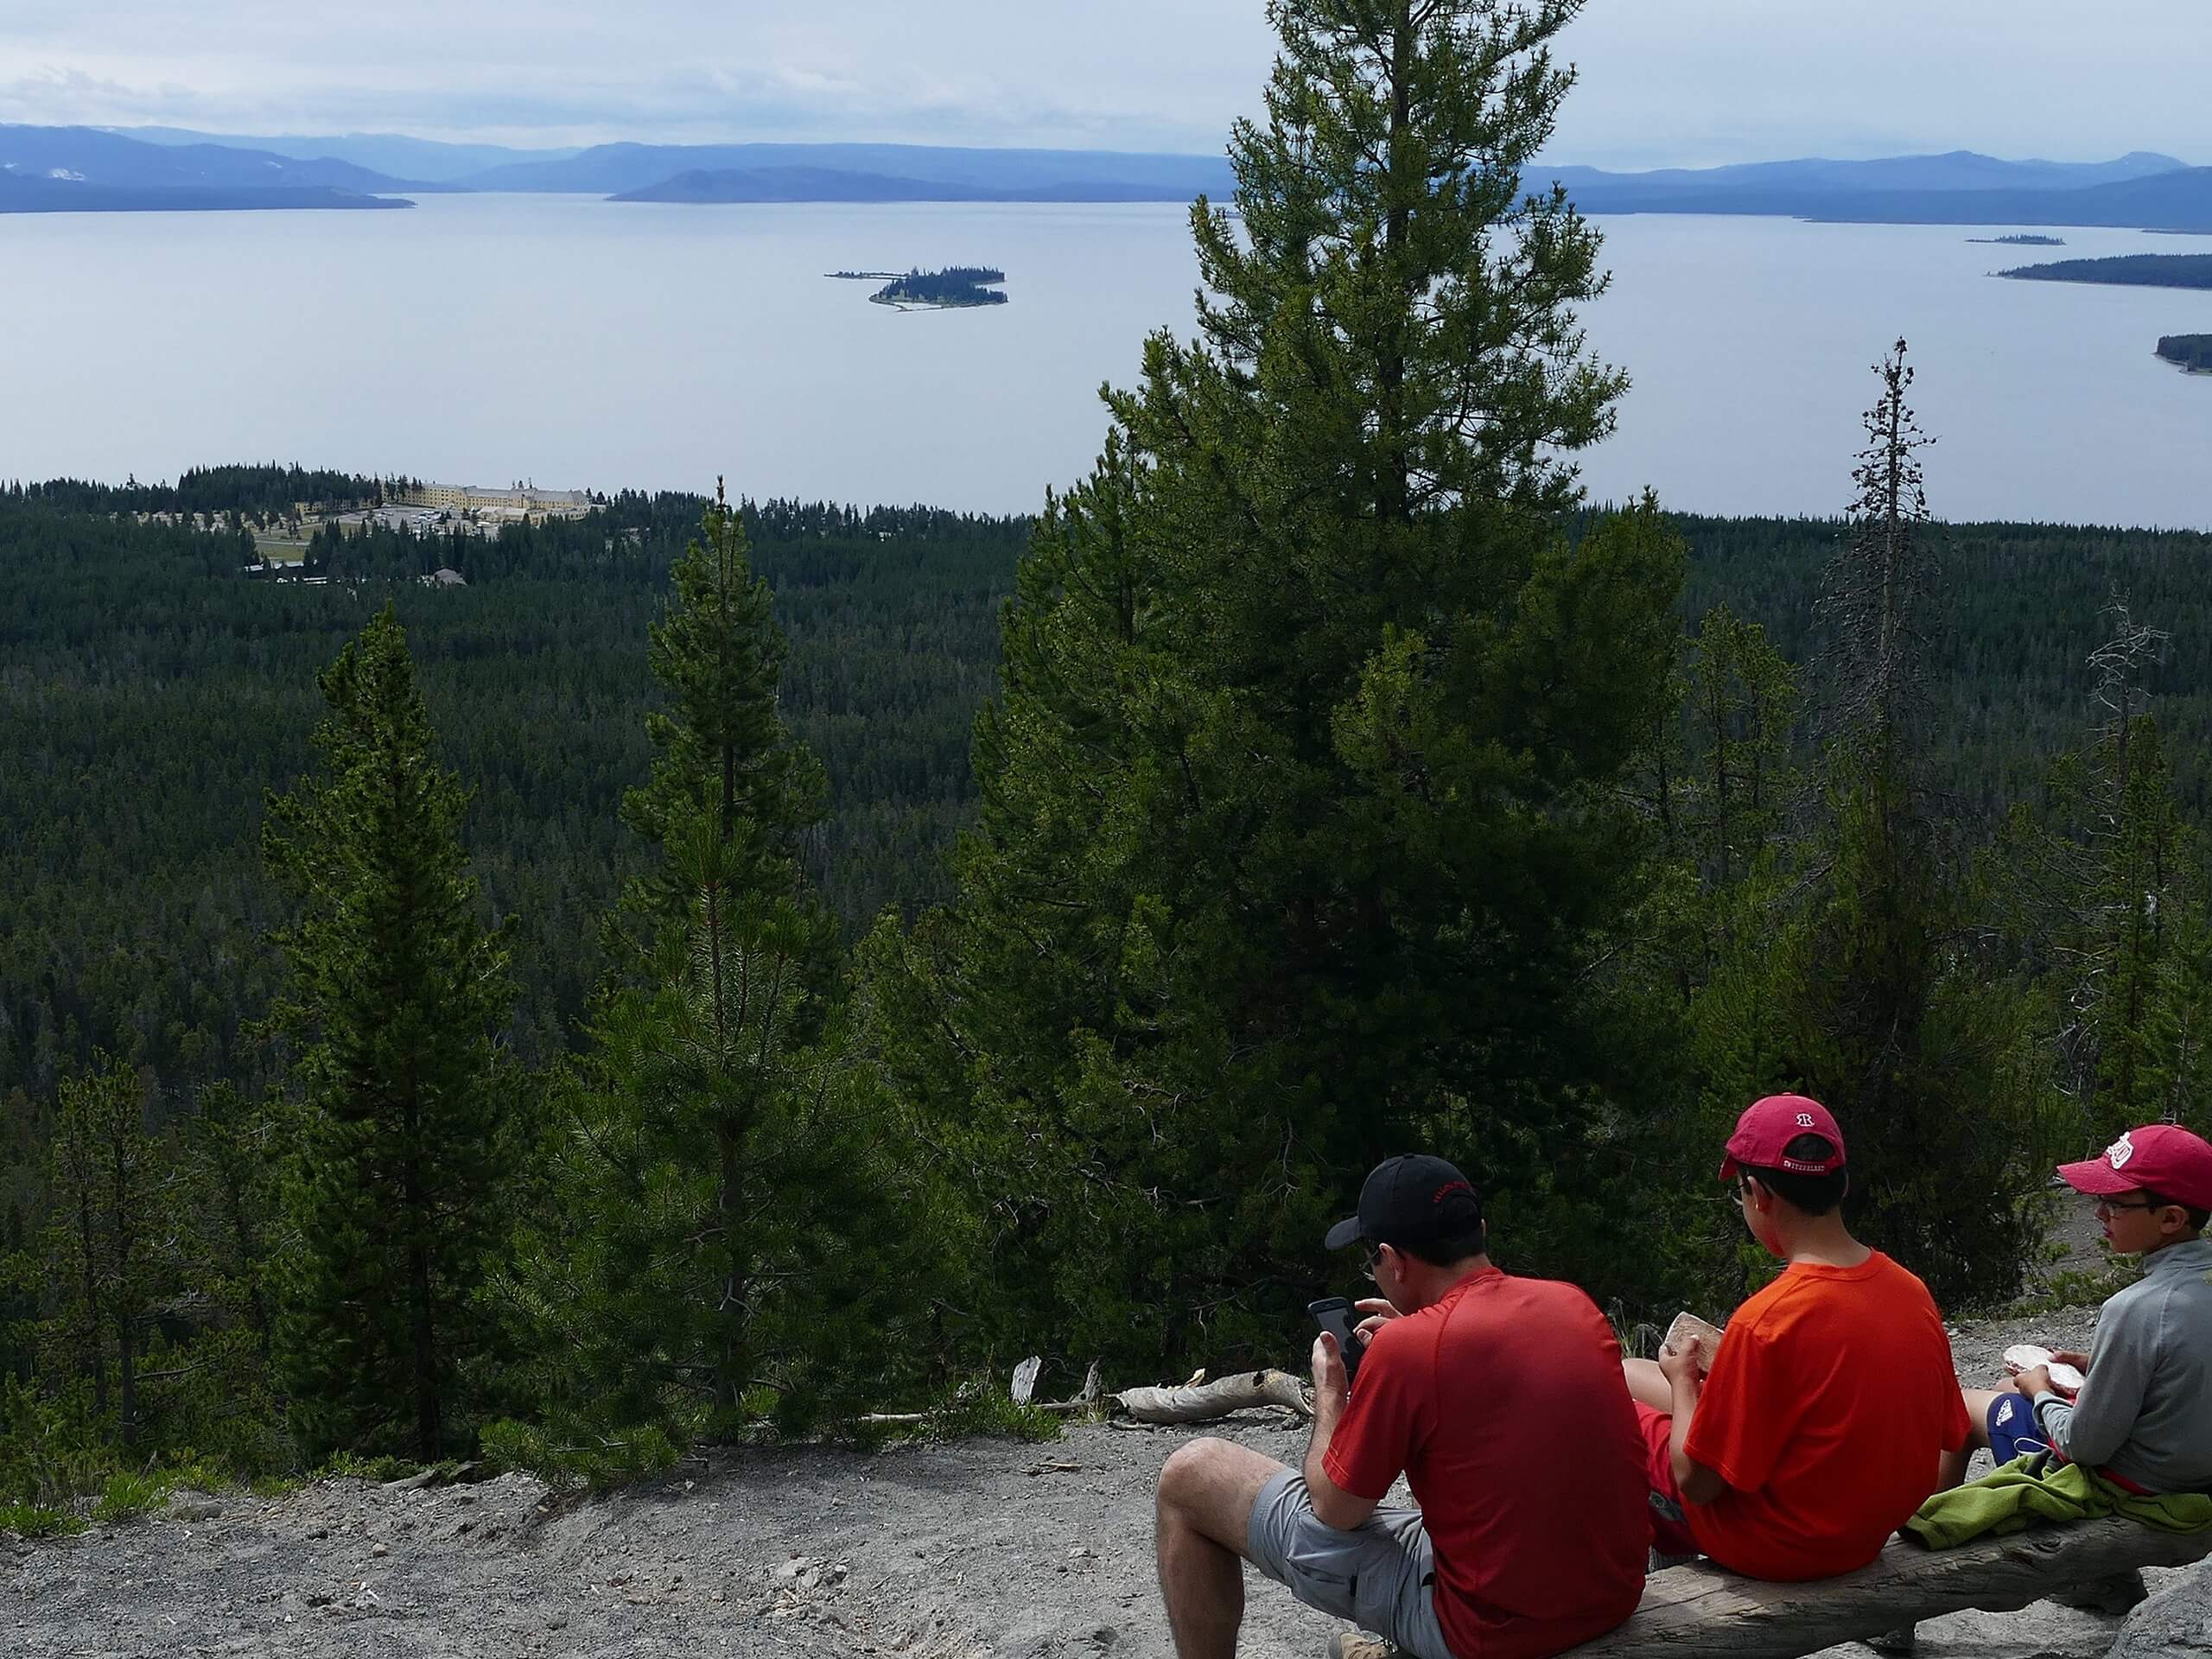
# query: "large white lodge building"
{"points": [[517, 499]]}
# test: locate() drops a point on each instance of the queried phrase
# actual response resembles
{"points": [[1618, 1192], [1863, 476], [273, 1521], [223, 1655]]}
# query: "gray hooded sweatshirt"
{"points": [[2144, 1411]]}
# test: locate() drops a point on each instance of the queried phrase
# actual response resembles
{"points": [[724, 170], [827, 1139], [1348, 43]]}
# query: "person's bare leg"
{"points": [[1204, 1515], [1649, 1384]]}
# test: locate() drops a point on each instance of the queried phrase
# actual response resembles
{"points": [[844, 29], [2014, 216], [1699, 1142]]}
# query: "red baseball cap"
{"points": [[1768, 1126], [2164, 1157]]}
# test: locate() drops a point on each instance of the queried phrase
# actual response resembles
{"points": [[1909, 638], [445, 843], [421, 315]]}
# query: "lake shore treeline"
{"points": [[2125, 271]]}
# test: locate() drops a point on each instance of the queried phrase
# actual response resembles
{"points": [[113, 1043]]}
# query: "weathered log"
{"points": [[1197, 1402], [1208, 1401], [458, 1474], [1701, 1610]]}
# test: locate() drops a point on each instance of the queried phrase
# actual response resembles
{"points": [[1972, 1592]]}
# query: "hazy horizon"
{"points": [[1697, 83], [1551, 158]]}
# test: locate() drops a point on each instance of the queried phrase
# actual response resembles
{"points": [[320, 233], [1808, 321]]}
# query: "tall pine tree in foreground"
{"points": [[397, 991], [724, 765], [1300, 836], [733, 1232]]}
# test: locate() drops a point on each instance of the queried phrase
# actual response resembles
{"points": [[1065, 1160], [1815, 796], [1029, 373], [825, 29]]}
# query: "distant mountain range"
{"points": [[834, 184], [169, 158], [35, 195], [2137, 192], [89, 156], [389, 153], [1959, 169], [54, 169], [1006, 174], [2169, 202]]}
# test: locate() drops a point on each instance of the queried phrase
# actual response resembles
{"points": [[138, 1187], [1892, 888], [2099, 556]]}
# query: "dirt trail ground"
{"points": [[922, 1551]]}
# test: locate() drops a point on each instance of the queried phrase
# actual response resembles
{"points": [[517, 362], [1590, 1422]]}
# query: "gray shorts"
{"points": [[1381, 1577]]}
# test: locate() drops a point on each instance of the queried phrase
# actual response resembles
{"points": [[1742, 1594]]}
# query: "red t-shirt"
{"points": [[1827, 1404], [1505, 1406]]}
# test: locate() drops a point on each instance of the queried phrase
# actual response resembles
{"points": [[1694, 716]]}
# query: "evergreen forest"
{"points": [[2126, 270], [739, 965], [2189, 351], [956, 285]]}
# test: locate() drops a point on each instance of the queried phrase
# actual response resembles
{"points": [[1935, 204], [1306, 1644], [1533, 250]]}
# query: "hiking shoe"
{"points": [[1358, 1644]]}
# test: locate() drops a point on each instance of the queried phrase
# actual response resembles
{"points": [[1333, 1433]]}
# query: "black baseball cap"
{"points": [[1411, 1200]]}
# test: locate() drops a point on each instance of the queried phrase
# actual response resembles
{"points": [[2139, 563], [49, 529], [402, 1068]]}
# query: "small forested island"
{"points": [[2021, 241], [953, 286], [2128, 270], [2190, 353]]}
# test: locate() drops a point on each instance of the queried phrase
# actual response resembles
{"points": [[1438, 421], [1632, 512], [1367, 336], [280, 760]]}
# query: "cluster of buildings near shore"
{"points": [[444, 508], [518, 504], [281, 537]]}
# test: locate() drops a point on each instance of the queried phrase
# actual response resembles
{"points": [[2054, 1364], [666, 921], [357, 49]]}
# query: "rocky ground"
{"points": [[959, 1551]]}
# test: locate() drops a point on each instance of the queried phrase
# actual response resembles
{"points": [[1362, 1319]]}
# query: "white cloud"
{"points": [[1663, 81], [63, 95], [813, 83]]}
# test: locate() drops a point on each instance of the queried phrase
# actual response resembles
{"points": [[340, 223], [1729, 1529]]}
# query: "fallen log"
{"points": [[435, 1474], [1702, 1610], [1196, 1401], [1208, 1401]]}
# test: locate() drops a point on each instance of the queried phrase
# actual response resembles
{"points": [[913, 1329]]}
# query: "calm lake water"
{"points": [[584, 344]]}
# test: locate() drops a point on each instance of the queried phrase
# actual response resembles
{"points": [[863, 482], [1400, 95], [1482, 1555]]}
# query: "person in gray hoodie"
{"points": [[2143, 1418]]}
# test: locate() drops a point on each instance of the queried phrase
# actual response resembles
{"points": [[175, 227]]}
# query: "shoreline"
{"points": [[935, 305]]}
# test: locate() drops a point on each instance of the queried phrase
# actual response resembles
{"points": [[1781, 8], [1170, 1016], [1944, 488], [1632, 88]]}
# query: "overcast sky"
{"points": [[1664, 82]]}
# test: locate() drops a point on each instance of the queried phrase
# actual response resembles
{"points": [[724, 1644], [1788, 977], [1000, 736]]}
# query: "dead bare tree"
{"points": [[2123, 663], [1876, 594]]}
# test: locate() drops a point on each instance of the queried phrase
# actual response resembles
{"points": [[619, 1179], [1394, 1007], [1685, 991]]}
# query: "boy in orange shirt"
{"points": [[1824, 1417]]}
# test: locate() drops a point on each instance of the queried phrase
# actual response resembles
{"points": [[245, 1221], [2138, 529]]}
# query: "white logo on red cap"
{"points": [[1804, 1120], [2120, 1151]]}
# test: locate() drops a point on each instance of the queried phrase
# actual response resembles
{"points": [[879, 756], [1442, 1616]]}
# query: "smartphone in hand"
{"points": [[1336, 1316]]}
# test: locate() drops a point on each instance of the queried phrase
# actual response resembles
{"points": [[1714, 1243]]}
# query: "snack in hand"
{"points": [[2025, 1356], [1686, 1325]]}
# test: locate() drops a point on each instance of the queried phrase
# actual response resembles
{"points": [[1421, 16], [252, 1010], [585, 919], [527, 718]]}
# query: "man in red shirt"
{"points": [[1826, 1414], [1500, 1400]]}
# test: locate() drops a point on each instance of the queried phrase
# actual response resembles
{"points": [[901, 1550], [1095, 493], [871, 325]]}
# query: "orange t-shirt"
{"points": [[1827, 1407]]}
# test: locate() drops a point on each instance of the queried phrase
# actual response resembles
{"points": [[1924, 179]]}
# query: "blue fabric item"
{"points": [[2012, 1431]]}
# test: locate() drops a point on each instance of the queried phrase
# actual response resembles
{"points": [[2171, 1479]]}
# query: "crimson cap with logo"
{"points": [[1766, 1128], [1411, 1200], [2163, 1157]]}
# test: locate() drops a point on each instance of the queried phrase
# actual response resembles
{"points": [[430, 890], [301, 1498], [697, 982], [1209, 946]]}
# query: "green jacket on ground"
{"points": [[2039, 1488]]}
